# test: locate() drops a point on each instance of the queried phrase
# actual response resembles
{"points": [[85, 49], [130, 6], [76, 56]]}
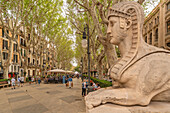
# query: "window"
{"points": [[28, 36], [33, 61], [15, 47], [24, 53], [3, 34], [21, 42], [156, 35], [48, 59], [18, 68], [37, 62], [15, 58], [168, 26], [168, 6], [146, 39], [15, 69], [151, 38], [155, 21], [5, 44], [28, 60], [28, 72], [168, 44], [11, 68], [5, 55], [24, 44]]}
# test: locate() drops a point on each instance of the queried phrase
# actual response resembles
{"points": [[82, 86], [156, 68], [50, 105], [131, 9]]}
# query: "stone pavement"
{"points": [[43, 98]]}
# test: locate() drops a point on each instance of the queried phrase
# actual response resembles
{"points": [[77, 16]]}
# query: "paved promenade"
{"points": [[43, 98]]}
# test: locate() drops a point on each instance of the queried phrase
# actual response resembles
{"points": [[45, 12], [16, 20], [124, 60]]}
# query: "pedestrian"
{"points": [[19, 81], [13, 83], [64, 77], [84, 86], [22, 81], [9, 83], [32, 79], [39, 80], [29, 79], [70, 81]]}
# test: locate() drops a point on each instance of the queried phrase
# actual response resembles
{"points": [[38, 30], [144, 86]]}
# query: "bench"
{"points": [[4, 84]]}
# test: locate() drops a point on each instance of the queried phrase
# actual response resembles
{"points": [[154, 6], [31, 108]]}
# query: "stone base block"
{"points": [[153, 107]]}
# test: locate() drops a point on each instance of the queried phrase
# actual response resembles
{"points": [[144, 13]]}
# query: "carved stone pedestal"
{"points": [[153, 107]]}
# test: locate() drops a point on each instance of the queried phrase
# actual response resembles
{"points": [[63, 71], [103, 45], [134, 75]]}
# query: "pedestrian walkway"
{"points": [[43, 98]]}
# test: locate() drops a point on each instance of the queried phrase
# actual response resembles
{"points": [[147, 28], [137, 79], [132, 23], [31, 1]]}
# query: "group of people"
{"points": [[20, 82], [32, 79], [95, 86]]}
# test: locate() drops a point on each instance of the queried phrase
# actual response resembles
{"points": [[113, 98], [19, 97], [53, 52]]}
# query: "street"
{"points": [[43, 98]]}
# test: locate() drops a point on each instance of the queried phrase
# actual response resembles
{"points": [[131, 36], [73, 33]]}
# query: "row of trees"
{"points": [[42, 24], [93, 13]]}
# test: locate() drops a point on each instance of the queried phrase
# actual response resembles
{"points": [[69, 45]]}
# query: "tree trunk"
{"points": [[5, 74], [100, 70]]}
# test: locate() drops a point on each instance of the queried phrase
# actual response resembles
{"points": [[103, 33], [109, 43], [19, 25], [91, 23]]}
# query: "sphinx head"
{"points": [[118, 27]]}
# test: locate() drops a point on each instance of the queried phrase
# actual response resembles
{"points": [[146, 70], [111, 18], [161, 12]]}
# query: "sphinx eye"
{"points": [[111, 24]]}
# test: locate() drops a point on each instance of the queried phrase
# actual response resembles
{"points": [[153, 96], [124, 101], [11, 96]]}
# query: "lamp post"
{"points": [[85, 44], [81, 68]]}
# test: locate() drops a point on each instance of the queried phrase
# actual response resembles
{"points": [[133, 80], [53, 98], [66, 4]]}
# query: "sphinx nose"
{"points": [[108, 30]]}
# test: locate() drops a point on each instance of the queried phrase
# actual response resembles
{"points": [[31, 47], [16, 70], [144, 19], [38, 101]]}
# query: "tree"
{"points": [[93, 12]]}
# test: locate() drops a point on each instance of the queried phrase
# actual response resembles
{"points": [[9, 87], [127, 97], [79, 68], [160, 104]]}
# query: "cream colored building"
{"points": [[44, 56], [156, 30]]}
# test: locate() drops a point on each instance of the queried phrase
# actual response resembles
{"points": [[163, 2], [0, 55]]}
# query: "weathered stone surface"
{"points": [[154, 107], [143, 72]]}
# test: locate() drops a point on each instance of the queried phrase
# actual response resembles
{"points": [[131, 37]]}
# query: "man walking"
{"points": [[70, 82], [84, 86]]}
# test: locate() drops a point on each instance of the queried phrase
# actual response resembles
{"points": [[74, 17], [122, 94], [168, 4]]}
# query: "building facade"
{"points": [[156, 29], [38, 57]]}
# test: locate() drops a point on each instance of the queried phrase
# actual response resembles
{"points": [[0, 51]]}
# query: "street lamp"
{"points": [[85, 44], [81, 68]]}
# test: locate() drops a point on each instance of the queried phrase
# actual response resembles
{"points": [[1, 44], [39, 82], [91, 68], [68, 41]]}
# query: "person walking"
{"points": [[13, 83], [84, 86], [19, 81], [22, 81], [70, 81], [64, 77], [39, 80], [32, 79], [29, 79]]}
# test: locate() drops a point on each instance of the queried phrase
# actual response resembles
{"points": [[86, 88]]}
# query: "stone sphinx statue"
{"points": [[143, 72]]}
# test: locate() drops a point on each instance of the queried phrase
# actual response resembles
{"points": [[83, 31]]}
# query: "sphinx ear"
{"points": [[125, 23], [129, 23]]}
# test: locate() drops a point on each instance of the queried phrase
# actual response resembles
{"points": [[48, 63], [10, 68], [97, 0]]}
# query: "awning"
{"points": [[57, 71]]}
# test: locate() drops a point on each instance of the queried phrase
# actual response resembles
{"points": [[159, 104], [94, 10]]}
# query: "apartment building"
{"points": [[38, 57], [156, 30]]}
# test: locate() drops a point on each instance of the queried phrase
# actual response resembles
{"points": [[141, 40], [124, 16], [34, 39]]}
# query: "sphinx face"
{"points": [[114, 31]]}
